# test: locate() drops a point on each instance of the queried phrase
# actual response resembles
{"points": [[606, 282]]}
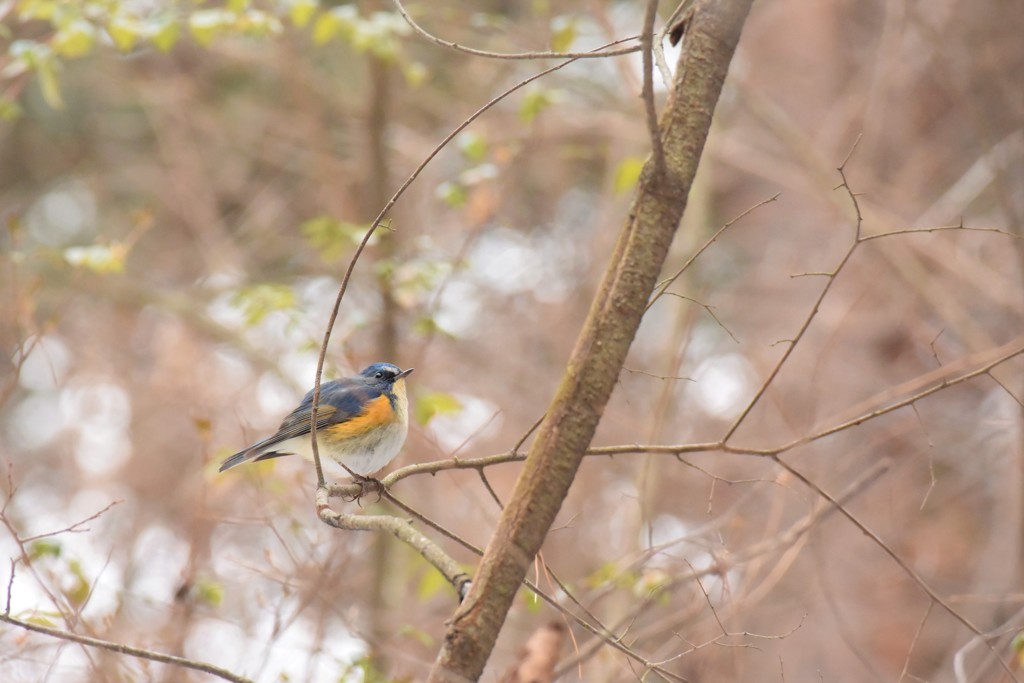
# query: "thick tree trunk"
{"points": [[602, 344]]}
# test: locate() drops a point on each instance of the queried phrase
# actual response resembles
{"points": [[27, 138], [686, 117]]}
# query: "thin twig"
{"points": [[907, 569], [514, 55], [942, 228], [917, 635], [74, 528], [831, 278], [663, 286], [126, 649]]}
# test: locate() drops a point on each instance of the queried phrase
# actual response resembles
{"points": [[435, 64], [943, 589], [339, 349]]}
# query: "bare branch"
{"points": [[913, 642], [945, 228], [122, 649], [74, 528], [402, 530], [515, 55], [665, 284], [907, 569]]}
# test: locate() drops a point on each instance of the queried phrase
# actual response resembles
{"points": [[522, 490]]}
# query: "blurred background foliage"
{"points": [[183, 184]]}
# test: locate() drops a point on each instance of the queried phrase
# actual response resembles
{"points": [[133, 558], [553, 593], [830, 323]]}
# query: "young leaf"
{"points": [[452, 194], [431, 583], [301, 11], [332, 238], [627, 173], [563, 33], [258, 301], [124, 31], [75, 39], [208, 592], [436, 403], [473, 146], [45, 548], [164, 33], [207, 24], [534, 102]]}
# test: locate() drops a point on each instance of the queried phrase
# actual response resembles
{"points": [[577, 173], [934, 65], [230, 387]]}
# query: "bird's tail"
{"points": [[252, 454]]}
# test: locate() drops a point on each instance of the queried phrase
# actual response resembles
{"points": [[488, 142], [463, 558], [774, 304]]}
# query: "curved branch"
{"points": [[401, 529], [593, 54]]}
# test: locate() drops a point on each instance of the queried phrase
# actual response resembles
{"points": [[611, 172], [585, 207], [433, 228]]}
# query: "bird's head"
{"points": [[385, 373]]}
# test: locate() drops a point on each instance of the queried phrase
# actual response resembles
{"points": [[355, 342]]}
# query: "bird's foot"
{"points": [[368, 485]]}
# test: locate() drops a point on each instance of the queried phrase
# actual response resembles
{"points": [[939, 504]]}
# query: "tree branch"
{"points": [[513, 55], [401, 529], [601, 348], [125, 649]]}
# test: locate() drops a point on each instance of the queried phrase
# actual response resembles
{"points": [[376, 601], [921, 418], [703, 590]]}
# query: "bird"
{"points": [[361, 423]]}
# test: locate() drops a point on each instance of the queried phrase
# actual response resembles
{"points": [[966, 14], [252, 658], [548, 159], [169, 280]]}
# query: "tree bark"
{"points": [[602, 345]]}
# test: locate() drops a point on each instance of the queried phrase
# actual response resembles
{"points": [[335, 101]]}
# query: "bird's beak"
{"points": [[403, 373]]}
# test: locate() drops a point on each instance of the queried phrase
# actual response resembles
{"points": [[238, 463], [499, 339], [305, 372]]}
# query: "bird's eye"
{"points": [[379, 374]]}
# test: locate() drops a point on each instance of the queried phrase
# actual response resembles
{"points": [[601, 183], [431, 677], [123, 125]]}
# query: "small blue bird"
{"points": [[361, 423]]}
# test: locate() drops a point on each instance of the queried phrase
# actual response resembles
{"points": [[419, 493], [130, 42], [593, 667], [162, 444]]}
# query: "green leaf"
{"points": [[534, 102], [125, 32], [40, 620], [44, 10], [414, 279], [258, 24], [429, 406], [324, 29], [164, 33], [473, 146], [610, 573], [431, 583], [338, 21], [452, 194], [45, 548], [37, 57], [627, 173], [75, 39], [80, 588], [415, 73], [332, 238], [532, 601], [563, 33], [208, 592], [9, 109], [363, 669], [258, 301], [205, 25], [301, 11], [48, 83]]}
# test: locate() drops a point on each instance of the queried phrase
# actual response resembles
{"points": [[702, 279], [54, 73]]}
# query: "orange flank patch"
{"points": [[377, 412]]}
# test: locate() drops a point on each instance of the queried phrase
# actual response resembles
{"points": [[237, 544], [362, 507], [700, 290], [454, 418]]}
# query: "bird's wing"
{"points": [[340, 401]]}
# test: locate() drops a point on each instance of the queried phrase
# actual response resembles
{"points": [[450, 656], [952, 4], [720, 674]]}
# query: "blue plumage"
{"points": [[343, 401]]}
